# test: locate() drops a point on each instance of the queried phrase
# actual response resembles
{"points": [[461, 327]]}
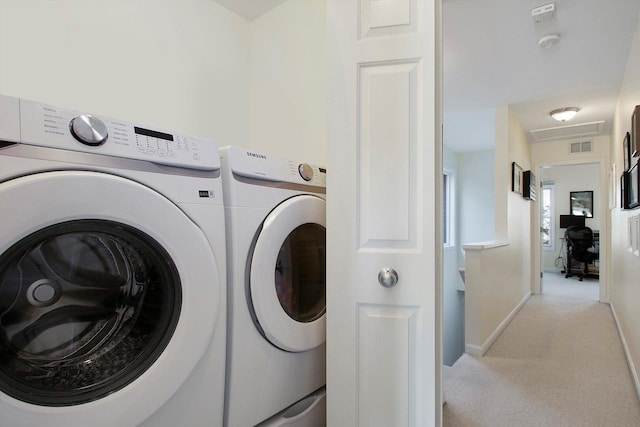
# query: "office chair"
{"points": [[579, 241]]}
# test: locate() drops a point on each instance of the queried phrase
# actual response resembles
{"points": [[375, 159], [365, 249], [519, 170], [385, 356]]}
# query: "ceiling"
{"points": [[492, 58]]}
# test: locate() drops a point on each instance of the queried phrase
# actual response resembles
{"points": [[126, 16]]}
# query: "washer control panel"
{"points": [[48, 126], [262, 166]]}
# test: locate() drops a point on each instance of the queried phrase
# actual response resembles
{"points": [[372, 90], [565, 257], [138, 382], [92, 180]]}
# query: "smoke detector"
{"points": [[543, 13], [549, 40]]}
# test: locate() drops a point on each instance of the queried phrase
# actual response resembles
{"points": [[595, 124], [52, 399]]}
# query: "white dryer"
{"points": [[276, 244], [112, 272]]}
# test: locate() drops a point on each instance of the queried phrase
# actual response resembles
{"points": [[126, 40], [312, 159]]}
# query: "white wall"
{"points": [[580, 177], [453, 299], [175, 65], [499, 277], [476, 196], [188, 66], [289, 81], [513, 212], [625, 271], [474, 222]]}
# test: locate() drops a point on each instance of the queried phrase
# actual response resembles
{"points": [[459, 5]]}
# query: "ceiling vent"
{"points": [[568, 132], [580, 147]]}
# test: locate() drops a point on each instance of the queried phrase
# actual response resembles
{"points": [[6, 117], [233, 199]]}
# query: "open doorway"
{"points": [[570, 197]]}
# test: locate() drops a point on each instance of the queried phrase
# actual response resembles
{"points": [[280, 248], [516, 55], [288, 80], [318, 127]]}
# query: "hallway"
{"points": [[560, 362]]}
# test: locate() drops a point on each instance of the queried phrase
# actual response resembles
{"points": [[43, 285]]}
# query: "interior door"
{"points": [[384, 242]]}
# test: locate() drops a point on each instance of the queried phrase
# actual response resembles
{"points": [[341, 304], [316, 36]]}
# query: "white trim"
{"points": [[474, 350], [632, 368], [605, 230], [480, 246], [450, 237]]}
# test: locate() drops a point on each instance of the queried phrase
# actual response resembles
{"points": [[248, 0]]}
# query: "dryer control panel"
{"points": [[262, 166], [48, 126]]}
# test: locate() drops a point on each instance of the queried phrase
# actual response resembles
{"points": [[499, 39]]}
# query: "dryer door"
{"points": [[108, 298], [288, 270]]}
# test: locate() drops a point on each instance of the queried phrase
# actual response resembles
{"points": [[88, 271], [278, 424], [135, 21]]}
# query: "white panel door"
{"points": [[384, 186]]}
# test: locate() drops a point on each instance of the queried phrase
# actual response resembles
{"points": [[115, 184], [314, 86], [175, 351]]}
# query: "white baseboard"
{"points": [[473, 350], [479, 351], [632, 367]]}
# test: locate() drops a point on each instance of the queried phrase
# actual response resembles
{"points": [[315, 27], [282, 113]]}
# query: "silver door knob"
{"points": [[388, 277]]}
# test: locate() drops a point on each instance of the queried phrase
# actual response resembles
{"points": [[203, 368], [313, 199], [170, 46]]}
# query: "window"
{"points": [[448, 204], [548, 224]]}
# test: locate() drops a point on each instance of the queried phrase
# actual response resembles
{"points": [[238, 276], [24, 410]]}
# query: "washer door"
{"points": [[288, 274], [109, 295]]}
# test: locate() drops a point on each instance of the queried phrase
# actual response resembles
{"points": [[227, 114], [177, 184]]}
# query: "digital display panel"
{"points": [[153, 133]]}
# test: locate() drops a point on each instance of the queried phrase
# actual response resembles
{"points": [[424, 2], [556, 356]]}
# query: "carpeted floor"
{"points": [[559, 362]]}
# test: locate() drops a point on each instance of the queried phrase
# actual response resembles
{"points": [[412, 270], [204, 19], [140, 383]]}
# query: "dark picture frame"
{"points": [[633, 187], [624, 202], [581, 203], [529, 185], [516, 178], [626, 151], [635, 132]]}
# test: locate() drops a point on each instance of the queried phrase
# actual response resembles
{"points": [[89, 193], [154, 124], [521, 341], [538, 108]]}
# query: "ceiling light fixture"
{"points": [[549, 40], [564, 114]]}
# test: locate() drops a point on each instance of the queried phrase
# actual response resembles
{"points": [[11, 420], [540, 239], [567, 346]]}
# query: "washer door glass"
{"points": [[287, 278], [85, 308]]}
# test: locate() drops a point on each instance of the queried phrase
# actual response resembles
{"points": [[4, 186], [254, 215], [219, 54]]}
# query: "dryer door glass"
{"points": [[300, 273], [85, 308]]}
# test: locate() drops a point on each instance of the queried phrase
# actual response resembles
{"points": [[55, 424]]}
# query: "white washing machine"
{"points": [[112, 272], [276, 244]]}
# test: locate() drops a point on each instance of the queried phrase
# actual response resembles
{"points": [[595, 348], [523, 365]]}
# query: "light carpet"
{"points": [[560, 362]]}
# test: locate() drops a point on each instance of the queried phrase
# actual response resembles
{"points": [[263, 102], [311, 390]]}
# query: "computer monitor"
{"points": [[570, 220]]}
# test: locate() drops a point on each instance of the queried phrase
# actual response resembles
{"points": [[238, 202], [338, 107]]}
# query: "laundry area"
{"points": [[195, 194], [162, 195]]}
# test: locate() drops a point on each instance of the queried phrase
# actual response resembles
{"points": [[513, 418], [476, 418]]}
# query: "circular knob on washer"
{"points": [[306, 171], [89, 130]]}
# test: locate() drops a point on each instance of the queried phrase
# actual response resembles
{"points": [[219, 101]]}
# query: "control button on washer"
{"points": [[305, 171], [88, 130]]}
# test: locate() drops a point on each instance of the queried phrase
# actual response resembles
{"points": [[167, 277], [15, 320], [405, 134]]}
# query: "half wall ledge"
{"points": [[480, 246]]}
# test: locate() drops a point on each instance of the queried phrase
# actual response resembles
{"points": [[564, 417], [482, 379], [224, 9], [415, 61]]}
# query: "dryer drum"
{"points": [[85, 308]]}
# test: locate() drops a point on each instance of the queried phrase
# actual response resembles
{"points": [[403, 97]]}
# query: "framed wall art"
{"points": [[635, 132], [516, 178], [624, 203], [581, 203], [528, 185], [633, 186], [626, 151]]}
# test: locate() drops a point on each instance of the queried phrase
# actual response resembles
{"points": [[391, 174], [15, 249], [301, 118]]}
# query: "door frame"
{"points": [[602, 210]]}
